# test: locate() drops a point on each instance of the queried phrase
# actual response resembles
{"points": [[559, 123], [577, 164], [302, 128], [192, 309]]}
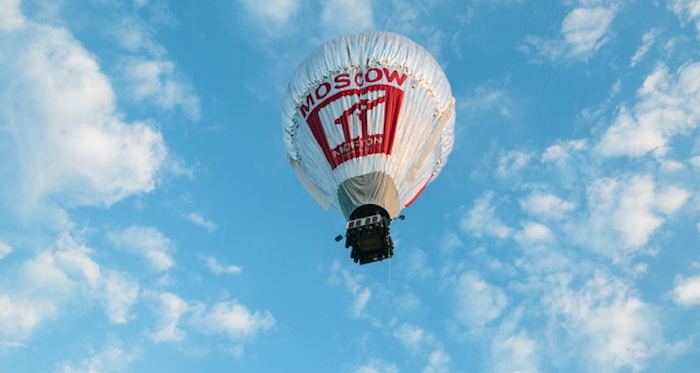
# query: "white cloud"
{"points": [[341, 17], [561, 152], [360, 301], [19, 317], [146, 241], [627, 211], [67, 141], [486, 101], [514, 353], [275, 11], [58, 275], [687, 11], [668, 105], [406, 17], [631, 204], [377, 366], [11, 17], [545, 205], [146, 74], [169, 311], [482, 220], [617, 330], [219, 268], [695, 161], [584, 30], [136, 36], [8, 346], [419, 342], [535, 233], [5, 250], [231, 318], [56, 278], [410, 336], [417, 266], [438, 362], [511, 162], [200, 220], [687, 291], [450, 240], [154, 81], [140, 3], [120, 294], [113, 358], [352, 283], [648, 40], [477, 302], [671, 199], [670, 166]]}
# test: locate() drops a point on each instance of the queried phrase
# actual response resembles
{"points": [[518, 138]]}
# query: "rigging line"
{"points": [[390, 269], [355, 282], [328, 218]]}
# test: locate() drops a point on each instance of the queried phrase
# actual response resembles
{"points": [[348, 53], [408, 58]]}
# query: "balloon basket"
{"points": [[368, 234]]}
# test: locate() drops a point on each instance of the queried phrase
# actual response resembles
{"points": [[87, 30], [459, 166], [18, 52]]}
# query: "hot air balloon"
{"points": [[368, 122]]}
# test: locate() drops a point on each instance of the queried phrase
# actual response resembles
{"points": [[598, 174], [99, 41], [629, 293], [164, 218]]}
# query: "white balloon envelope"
{"points": [[368, 122]]}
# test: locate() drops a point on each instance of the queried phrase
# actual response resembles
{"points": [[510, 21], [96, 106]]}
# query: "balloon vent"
{"points": [[368, 233]]}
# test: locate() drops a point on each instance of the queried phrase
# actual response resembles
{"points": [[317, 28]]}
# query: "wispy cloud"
{"points": [[581, 225], [487, 101], [147, 242], [12, 344], [408, 17], [423, 345], [21, 317], [514, 351], [170, 310], [201, 221], [584, 30], [648, 39], [482, 219], [438, 362], [511, 162], [687, 291], [145, 73], [546, 206], [219, 268], [687, 11], [340, 17], [136, 37], [59, 109], [377, 366], [155, 81], [341, 276], [120, 295], [11, 18], [627, 211], [617, 328], [231, 318], [112, 358], [177, 316], [56, 277], [5, 250], [478, 302], [274, 11], [412, 337], [667, 105]]}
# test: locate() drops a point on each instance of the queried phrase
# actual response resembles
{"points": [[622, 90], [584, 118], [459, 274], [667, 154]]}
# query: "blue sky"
{"points": [[149, 220]]}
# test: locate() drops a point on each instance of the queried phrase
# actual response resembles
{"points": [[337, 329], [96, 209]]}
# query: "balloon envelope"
{"points": [[368, 119]]}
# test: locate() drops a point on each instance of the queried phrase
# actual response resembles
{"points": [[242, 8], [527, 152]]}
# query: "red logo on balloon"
{"points": [[358, 119]]}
